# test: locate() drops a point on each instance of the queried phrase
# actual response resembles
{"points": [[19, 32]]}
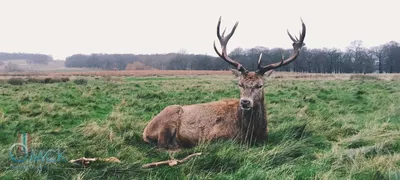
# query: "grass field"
{"points": [[318, 129]]}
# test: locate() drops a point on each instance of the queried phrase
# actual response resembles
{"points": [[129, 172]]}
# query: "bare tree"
{"points": [[11, 67], [334, 57]]}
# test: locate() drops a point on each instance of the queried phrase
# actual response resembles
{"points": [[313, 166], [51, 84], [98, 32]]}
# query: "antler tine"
{"points": [[218, 30], [224, 41], [297, 45], [303, 32], [291, 37], [223, 32], [259, 61]]}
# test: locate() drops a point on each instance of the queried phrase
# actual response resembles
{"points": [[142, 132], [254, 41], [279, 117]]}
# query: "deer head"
{"points": [[251, 84]]}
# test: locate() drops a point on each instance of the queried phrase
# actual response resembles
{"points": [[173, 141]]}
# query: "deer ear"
{"points": [[236, 72]]}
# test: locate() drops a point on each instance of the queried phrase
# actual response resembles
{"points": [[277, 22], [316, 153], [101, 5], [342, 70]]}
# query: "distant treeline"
{"points": [[355, 59], [170, 61], [30, 58]]}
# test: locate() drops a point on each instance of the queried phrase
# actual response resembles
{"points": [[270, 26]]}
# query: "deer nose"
{"points": [[245, 102]]}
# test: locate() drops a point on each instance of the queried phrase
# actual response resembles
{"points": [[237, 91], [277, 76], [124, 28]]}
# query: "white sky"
{"points": [[63, 28]]}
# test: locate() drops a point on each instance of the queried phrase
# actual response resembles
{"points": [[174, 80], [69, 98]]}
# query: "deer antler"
{"points": [[224, 41], [297, 44]]}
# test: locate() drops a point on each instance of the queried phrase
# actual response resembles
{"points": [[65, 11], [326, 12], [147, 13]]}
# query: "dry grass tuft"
{"points": [[96, 132], [363, 77]]}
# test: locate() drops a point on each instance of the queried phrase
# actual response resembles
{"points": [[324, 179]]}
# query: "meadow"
{"points": [[339, 127]]}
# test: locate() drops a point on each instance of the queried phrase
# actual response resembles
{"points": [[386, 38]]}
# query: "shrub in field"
{"points": [[59, 79], [80, 81], [53, 80], [35, 80], [112, 79], [16, 81], [65, 79], [47, 80], [363, 77]]}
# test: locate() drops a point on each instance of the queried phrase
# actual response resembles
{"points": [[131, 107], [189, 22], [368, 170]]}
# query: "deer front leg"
{"points": [[167, 138]]}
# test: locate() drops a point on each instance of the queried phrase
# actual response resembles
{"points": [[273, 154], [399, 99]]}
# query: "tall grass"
{"points": [[347, 129]]}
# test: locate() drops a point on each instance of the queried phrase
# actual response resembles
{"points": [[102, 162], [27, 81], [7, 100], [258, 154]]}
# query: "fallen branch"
{"points": [[171, 162], [85, 161]]}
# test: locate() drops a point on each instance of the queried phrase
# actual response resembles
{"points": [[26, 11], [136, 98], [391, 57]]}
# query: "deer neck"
{"points": [[253, 122]]}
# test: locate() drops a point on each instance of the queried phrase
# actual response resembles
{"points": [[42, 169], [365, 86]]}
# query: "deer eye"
{"points": [[240, 85], [259, 86]]}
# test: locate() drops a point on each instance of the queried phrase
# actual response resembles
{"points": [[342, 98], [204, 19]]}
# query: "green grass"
{"points": [[317, 129]]}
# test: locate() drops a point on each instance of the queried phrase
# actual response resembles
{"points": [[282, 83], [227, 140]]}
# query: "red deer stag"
{"points": [[244, 119]]}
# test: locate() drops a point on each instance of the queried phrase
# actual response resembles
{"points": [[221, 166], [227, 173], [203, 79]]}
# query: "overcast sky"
{"points": [[63, 28]]}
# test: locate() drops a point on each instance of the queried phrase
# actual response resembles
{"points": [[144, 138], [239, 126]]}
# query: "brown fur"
{"points": [[186, 126]]}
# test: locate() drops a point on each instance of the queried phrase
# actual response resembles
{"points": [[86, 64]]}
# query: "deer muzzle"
{"points": [[246, 103]]}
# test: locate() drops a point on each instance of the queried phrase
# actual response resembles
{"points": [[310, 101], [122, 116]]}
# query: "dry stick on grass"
{"points": [[85, 161], [171, 162]]}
